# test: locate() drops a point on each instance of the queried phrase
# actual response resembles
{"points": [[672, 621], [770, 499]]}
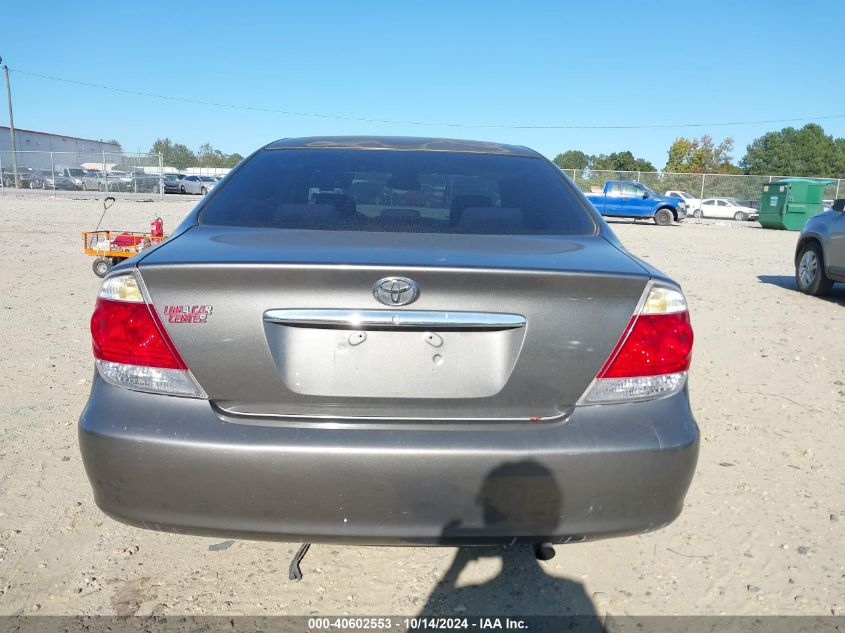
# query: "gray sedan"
{"points": [[820, 254], [91, 180], [473, 361], [107, 181], [197, 184], [50, 180]]}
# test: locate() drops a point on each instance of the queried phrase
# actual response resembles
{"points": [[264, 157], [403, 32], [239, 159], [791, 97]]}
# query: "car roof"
{"points": [[405, 143]]}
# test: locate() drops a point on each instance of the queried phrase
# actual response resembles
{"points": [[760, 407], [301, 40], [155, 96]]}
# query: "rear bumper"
{"points": [[174, 464]]}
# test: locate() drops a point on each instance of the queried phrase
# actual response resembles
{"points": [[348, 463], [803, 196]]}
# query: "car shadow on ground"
{"points": [[837, 294], [513, 496]]}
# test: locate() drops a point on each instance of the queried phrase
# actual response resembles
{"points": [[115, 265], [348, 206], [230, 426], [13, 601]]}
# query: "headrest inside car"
{"points": [[491, 219]]}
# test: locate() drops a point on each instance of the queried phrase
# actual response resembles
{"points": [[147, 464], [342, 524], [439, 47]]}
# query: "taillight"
{"points": [[653, 354], [130, 344]]}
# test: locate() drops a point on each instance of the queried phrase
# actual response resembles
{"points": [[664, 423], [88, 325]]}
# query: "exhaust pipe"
{"points": [[544, 551]]}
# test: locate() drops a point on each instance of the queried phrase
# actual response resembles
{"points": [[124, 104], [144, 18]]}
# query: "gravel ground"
{"points": [[763, 531]]}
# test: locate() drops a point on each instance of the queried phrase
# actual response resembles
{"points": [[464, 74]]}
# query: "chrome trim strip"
{"points": [[377, 421], [362, 319]]}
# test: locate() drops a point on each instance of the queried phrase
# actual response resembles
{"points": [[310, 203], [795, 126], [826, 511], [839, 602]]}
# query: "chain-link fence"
{"points": [[744, 188], [142, 175], [61, 173]]}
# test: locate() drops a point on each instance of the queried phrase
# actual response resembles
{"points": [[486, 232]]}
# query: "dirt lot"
{"points": [[763, 531]]}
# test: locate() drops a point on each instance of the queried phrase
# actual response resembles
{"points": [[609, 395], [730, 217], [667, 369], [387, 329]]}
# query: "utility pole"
{"points": [[11, 126]]}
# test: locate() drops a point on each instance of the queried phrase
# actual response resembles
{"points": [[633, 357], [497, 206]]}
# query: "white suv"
{"points": [[693, 203]]}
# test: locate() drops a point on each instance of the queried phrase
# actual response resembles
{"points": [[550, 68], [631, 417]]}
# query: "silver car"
{"points": [[391, 340], [92, 180], [820, 254], [106, 181], [197, 184], [74, 174]]}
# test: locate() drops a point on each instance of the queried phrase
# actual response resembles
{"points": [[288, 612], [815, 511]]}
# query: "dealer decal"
{"points": [[187, 313]]}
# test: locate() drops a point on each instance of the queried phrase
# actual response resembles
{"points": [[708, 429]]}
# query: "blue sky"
{"points": [[510, 63]]}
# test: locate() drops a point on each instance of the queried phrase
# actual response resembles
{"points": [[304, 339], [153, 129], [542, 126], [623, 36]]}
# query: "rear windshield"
{"points": [[398, 192]]}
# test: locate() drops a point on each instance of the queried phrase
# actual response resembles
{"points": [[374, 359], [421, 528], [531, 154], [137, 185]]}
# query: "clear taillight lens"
{"points": [[653, 354], [608, 390], [131, 345], [122, 288]]}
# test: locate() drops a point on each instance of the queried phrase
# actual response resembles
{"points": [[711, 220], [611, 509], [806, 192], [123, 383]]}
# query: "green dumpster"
{"points": [[790, 202]]}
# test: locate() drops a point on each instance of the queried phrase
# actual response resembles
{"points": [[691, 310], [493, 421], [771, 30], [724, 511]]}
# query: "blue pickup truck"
{"points": [[629, 199]]}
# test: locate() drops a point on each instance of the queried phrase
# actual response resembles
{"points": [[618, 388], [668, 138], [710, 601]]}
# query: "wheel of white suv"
{"points": [[663, 217], [809, 271], [697, 214], [203, 191]]}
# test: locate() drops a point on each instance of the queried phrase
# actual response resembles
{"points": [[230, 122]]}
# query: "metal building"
{"points": [[33, 148]]}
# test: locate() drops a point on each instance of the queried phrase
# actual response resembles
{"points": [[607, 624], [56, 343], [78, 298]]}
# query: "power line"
{"points": [[341, 117]]}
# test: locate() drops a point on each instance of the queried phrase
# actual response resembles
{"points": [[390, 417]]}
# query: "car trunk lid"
{"points": [[285, 322]]}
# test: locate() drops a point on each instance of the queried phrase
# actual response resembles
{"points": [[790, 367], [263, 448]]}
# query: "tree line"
{"points": [[789, 152], [181, 156]]}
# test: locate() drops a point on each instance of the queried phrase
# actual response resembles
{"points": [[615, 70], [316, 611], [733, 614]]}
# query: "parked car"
{"points": [[171, 183], [490, 370], [92, 180], [74, 174], [45, 179], [691, 201], [728, 208], [119, 180], [820, 253], [24, 175], [144, 183], [96, 181], [111, 180], [629, 199], [196, 184]]}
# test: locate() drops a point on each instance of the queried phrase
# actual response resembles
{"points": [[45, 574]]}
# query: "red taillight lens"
{"points": [[128, 333], [655, 344]]}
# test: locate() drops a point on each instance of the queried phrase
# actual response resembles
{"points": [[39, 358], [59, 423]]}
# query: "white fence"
{"points": [[206, 171]]}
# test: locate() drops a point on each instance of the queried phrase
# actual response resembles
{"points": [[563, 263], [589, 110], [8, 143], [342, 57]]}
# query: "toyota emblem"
{"points": [[396, 291]]}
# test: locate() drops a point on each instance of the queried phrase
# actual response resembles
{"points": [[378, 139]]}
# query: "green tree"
{"points": [[174, 154], [839, 157], [805, 152], [181, 157], [207, 156], [573, 159], [621, 161], [701, 155]]}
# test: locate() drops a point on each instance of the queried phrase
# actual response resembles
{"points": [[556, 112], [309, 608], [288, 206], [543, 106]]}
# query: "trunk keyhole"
{"points": [[356, 338], [433, 339]]}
